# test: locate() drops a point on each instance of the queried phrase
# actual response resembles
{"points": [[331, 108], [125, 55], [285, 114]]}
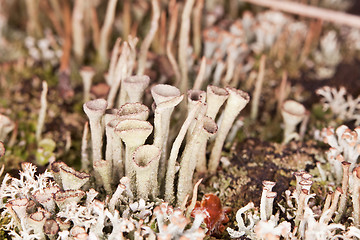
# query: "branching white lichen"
{"points": [[82, 219], [309, 225], [344, 146], [27, 184], [342, 105], [328, 56]]}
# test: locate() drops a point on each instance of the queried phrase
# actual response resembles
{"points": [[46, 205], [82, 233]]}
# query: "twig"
{"points": [[173, 11], [78, 30], [51, 14], [193, 199], [126, 19], [196, 25], [162, 33], [64, 71], [113, 61], [119, 74], [2, 167], [132, 56], [282, 91], [95, 27], [149, 37], [68, 141], [258, 87], [184, 44], [183, 204], [311, 37], [106, 31], [65, 58], [310, 11], [14, 134], [42, 112], [33, 25], [55, 5], [201, 75], [230, 65]]}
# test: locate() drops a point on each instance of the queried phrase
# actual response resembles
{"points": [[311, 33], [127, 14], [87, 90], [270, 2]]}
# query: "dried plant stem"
{"points": [[65, 58], [234, 130], [128, 68], [234, 9], [106, 31], [123, 73], [162, 34], [113, 61], [193, 199], [134, 28], [174, 10], [149, 37], [329, 196], [95, 27], [33, 25], [230, 68], [78, 30], [258, 87], [201, 75], [118, 75], [55, 5], [51, 14], [126, 19], [132, 55], [64, 71], [196, 25], [68, 141], [311, 37], [184, 44], [14, 134], [42, 113], [182, 207], [310, 11], [282, 91]]}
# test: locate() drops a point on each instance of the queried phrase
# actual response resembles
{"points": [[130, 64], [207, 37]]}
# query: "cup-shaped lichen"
{"points": [[146, 162], [135, 86], [133, 111], [134, 133], [235, 103], [293, 113], [95, 109]]}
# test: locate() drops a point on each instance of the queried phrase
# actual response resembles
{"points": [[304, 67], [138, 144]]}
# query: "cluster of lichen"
{"points": [[240, 50]]}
